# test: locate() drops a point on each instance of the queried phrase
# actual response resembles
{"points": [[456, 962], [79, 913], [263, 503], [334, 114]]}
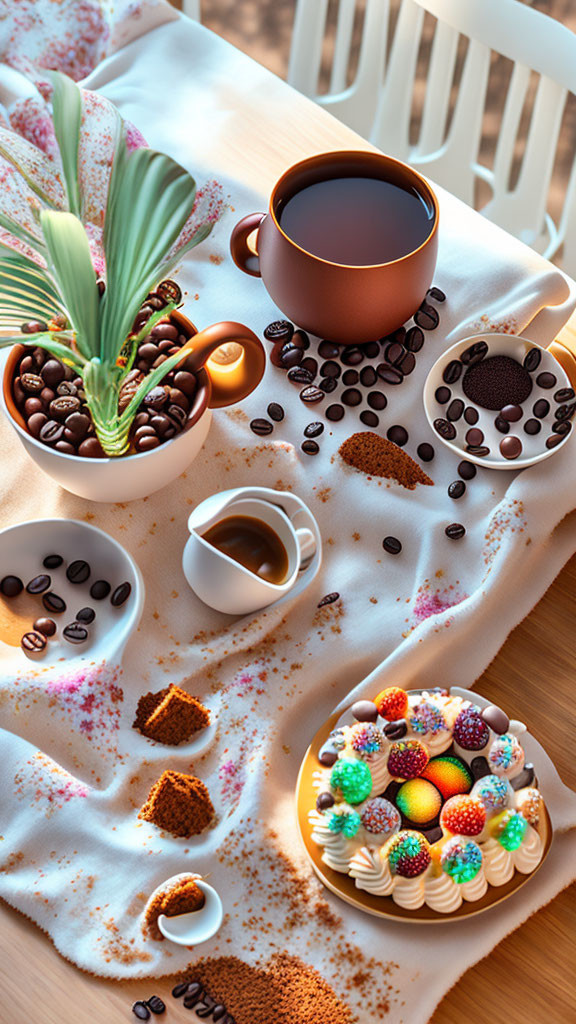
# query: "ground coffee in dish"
{"points": [[497, 382], [253, 544], [357, 221]]}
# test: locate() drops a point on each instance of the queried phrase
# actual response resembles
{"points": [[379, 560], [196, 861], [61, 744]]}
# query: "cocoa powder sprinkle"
{"points": [[377, 456]]}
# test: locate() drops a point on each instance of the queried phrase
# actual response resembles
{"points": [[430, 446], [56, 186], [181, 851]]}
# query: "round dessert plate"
{"points": [[22, 551], [533, 445], [383, 906], [196, 927]]}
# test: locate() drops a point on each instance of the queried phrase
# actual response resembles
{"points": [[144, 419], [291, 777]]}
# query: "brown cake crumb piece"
{"points": [[183, 896], [170, 716], [179, 804], [377, 456]]}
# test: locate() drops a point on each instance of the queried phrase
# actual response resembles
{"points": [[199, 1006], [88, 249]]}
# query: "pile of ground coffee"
{"points": [[170, 716], [179, 804], [181, 897], [377, 456], [496, 382]]}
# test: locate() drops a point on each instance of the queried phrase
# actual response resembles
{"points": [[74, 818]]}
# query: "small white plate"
{"points": [[533, 445], [199, 925]]}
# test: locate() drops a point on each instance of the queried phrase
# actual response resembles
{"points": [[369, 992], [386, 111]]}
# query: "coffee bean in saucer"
{"points": [[11, 586], [512, 413], [455, 531], [452, 372], [121, 594], [471, 415], [78, 571], [261, 427], [546, 380], [75, 633], [553, 440], [502, 425], [39, 584], [532, 427], [511, 447], [446, 429], [45, 626], [532, 360], [53, 603], [479, 450], [100, 589], [442, 395], [562, 427], [475, 353], [85, 615], [275, 412], [455, 410], [564, 395], [52, 561], [565, 412], [33, 642]]}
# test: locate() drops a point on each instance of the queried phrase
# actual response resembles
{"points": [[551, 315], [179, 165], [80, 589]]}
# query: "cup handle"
{"points": [[230, 383], [307, 544], [242, 254]]}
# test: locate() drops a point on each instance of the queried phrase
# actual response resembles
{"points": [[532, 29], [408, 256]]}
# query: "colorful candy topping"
{"points": [[345, 821], [407, 759], [366, 738], [408, 854], [506, 756], [509, 828], [392, 703], [449, 774], [380, 817], [352, 780], [470, 730], [426, 717], [419, 801], [461, 859], [529, 803], [493, 792], [463, 815]]}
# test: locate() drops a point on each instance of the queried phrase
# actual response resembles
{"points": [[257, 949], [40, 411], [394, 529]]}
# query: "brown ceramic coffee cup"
{"points": [[341, 302]]}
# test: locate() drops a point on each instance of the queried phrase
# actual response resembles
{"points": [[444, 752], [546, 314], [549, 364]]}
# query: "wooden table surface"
{"points": [[39, 986]]}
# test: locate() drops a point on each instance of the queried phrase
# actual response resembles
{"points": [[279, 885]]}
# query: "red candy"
{"points": [[463, 815], [392, 703], [470, 730], [407, 759]]}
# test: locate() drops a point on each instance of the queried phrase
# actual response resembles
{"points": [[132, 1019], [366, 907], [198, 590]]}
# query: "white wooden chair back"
{"points": [[191, 8], [380, 101]]}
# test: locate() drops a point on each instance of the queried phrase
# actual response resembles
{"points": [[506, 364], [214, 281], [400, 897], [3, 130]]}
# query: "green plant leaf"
{"points": [[73, 272], [26, 291], [49, 342], [67, 119]]}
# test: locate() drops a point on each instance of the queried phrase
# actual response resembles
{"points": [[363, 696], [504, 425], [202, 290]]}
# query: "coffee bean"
{"points": [[75, 633], [351, 397], [275, 412], [274, 356], [368, 376], [328, 599], [86, 615], [455, 531], [51, 431], [310, 447], [156, 398], [442, 395], [553, 440], [39, 584], [301, 339], [389, 374], [546, 380], [511, 447], [150, 352], [394, 731], [426, 317], [452, 372], [34, 327], [66, 388], [208, 1004], [279, 330], [146, 430], [541, 408], [445, 429], [120, 595], [377, 400], [334, 412], [47, 395], [474, 354], [371, 349], [33, 405], [100, 589], [480, 767], [512, 413], [194, 989], [314, 429], [261, 427], [456, 489], [502, 425], [350, 377], [364, 711], [455, 409], [392, 545], [532, 426], [394, 352], [32, 383], [53, 373], [33, 642], [299, 375], [177, 415], [398, 336], [369, 418], [564, 395], [562, 427], [65, 447], [64, 406], [290, 355], [310, 364], [311, 395], [191, 1001], [179, 990], [76, 427], [351, 355], [532, 360], [11, 586], [165, 330], [437, 294], [526, 777], [496, 719], [185, 382], [18, 392], [471, 415], [397, 434], [425, 452], [407, 363], [467, 470], [45, 626], [328, 385], [53, 603], [478, 449], [328, 350], [177, 397], [414, 339], [78, 571], [330, 369], [565, 412], [474, 436], [156, 1004], [218, 1012], [141, 1011]]}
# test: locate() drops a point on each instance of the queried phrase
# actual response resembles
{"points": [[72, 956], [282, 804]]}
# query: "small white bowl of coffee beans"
{"points": [[500, 400]]}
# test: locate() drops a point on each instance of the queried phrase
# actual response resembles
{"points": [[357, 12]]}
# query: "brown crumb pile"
{"points": [[170, 716], [377, 456], [179, 804], [182, 897], [283, 990]]}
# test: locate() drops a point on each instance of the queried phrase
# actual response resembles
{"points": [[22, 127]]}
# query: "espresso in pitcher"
{"points": [[357, 221], [253, 544]]}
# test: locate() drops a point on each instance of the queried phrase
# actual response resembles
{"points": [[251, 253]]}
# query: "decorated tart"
{"points": [[426, 798]]}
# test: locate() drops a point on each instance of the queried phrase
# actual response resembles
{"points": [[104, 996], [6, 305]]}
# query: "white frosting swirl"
{"points": [[476, 888], [529, 854], [381, 777], [336, 848], [498, 863], [408, 892], [441, 892], [371, 872]]}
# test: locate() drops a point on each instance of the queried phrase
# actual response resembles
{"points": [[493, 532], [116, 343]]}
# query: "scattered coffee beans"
{"points": [[455, 531], [156, 1004], [335, 412], [457, 489], [392, 545], [140, 1010], [425, 452], [467, 470], [33, 642], [52, 561], [121, 594], [45, 626], [85, 615], [329, 599], [314, 429], [369, 418], [377, 400], [397, 434], [11, 586], [39, 584], [100, 589], [275, 412], [78, 571], [446, 429], [310, 447], [53, 603], [261, 427], [280, 330], [311, 395], [75, 633]]}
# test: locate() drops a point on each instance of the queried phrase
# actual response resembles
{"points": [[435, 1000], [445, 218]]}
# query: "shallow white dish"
{"points": [[533, 446], [196, 927]]}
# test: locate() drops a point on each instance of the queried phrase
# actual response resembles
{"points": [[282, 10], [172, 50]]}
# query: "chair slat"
{"points": [[342, 43], [507, 136], [306, 50], [391, 127], [438, 88]]}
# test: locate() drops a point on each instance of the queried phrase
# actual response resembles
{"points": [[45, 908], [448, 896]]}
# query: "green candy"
{"points": [[351, 779], [513, 830]]}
